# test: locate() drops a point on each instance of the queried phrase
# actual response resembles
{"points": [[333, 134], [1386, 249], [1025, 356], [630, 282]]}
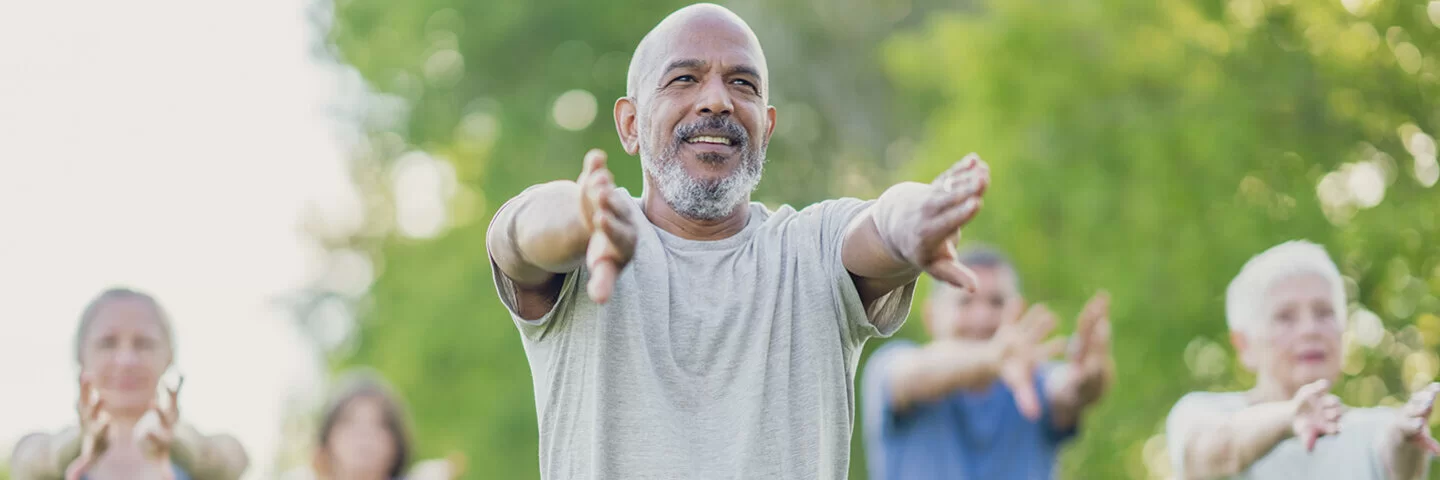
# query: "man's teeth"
{"points": [[709, 139]]}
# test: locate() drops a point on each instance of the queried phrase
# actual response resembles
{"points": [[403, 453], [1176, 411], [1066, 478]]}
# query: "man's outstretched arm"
{"points": [[912, 228], [549, 229], [930, 373]]}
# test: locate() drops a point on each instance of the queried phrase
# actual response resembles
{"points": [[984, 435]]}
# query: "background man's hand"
{"points": [[1021, 340], [1089, 355]]}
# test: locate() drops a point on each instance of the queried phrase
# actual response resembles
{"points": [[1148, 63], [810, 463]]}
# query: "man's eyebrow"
{"points": [[685, 63], [744, 69]]}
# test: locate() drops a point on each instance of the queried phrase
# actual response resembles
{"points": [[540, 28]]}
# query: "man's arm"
{"points": [[929, 373], [548, 230], [944, 366], [43, 456], [1406, 446], [1229, 445], [912, 228]]}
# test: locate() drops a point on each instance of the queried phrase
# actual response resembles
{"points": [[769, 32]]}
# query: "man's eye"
{"points": [[684, 78]]}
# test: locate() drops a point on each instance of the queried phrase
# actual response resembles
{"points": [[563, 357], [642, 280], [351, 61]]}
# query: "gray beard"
{"points": [[697, 199]]}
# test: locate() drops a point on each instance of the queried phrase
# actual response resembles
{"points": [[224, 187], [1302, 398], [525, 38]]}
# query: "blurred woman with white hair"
{"points": [[1286, 312]]}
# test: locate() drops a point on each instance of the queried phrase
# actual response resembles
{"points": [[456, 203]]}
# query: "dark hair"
{"points": [[92, 310], [364, 384]]}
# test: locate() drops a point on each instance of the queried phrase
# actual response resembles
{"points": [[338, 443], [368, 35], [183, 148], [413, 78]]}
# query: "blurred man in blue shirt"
{"points": [[982, 400]]}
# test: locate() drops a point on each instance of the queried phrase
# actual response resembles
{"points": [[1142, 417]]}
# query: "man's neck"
{"points": [[659, 212]]}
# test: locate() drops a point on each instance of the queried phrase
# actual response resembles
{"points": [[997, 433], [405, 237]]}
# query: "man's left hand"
{"points": [[954, 199], [1089, 355]]}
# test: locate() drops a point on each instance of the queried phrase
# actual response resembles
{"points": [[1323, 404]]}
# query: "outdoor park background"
{"points": [[1145, 147]]}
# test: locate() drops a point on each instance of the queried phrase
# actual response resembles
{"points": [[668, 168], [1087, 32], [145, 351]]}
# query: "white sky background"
{"points": [[169, 145]]}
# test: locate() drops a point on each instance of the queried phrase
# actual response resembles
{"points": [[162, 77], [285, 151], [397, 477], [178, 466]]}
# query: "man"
{"points": [[972, 403], [715, 338]]}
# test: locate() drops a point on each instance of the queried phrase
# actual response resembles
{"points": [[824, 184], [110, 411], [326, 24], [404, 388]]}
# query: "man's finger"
{"points": [[951, 220], [618, 231], [1309, 436], [1038, 316], [594, 161], [602, 281], [954, 273], [1052, 348], [1026, 399]]}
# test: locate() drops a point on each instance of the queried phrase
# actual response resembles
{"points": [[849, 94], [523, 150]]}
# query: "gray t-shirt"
{"points": [[725, 359], [1350, 455]]}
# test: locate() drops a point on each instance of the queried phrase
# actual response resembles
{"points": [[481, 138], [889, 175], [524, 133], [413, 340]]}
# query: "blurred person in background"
{"points": [[981, 399], [365, 435], [124, 345], [1286, 313], [715, 337]]}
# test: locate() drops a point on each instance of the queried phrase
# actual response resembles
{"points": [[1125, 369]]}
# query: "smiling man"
{"points": [[715, 338]]}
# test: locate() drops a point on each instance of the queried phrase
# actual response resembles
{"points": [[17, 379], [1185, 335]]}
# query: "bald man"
{"points": [[714, 337]]}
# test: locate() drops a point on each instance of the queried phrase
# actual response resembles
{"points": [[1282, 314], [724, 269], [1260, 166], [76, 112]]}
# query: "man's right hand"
{"points": [[1022, 346], [1317, 413], [612, 220]]}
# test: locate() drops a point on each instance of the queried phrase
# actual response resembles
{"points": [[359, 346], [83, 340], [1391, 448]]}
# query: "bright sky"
{"points": [[168, 145]]}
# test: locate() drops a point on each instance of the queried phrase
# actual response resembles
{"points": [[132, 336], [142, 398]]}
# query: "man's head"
{"points": [[1286, 312], [697, 110], [953, 313]]}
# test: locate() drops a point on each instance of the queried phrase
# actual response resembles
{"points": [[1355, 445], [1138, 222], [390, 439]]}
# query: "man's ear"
{"points": [[626, 125], [770, 115]]}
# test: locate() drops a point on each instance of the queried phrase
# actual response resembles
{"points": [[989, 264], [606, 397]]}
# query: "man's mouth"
{"points": [[710, 139], [1312, 357]]}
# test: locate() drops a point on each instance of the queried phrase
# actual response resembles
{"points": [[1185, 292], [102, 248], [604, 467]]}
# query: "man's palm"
{"points": [[1021, 339]]}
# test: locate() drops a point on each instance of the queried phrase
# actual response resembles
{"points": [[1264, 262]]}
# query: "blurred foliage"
{"points": [[1150, 148], [1146, 147]]}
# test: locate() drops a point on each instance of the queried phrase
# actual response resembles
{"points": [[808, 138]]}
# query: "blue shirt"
{"points": [[966, 435]]}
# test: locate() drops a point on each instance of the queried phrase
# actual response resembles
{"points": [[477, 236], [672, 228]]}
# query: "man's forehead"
{"points": [[704, 32]]}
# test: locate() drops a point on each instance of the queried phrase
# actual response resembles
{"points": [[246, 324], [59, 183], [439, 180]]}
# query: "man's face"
{"points": [[702, 117], [954, 313]]}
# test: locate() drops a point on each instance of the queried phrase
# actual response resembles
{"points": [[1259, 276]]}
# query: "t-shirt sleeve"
{"points": [[878, 412], [1188, 413], [887, 313], [505, 287]]}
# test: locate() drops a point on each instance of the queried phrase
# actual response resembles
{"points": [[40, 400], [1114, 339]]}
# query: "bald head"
{"points": [[701, 24], [697, 112]]}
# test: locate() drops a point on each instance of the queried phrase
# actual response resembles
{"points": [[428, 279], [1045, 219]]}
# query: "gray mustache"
{"points": [[723, 125]]}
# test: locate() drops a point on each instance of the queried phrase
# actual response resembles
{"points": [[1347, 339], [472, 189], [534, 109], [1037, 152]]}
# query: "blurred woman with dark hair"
{"points": [[124, 345], [364, 435]]}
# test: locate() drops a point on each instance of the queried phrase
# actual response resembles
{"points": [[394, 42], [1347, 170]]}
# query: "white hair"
{"points": [[1245, 298]]}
